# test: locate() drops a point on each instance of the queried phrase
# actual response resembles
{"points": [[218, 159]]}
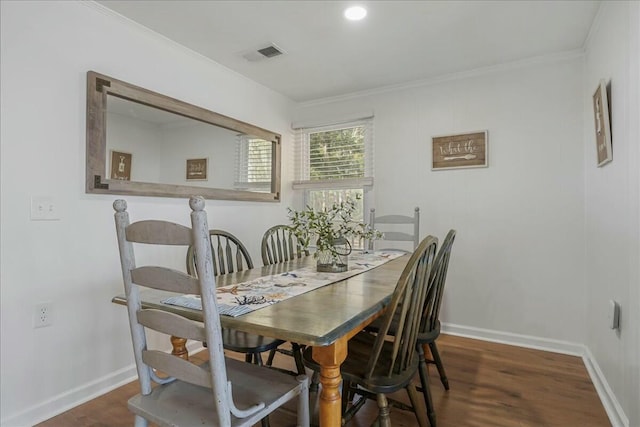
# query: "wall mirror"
{"points": [[143, 143]]}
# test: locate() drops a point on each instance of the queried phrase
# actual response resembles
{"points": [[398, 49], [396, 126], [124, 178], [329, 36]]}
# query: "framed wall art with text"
{"points": [[465, 150]]}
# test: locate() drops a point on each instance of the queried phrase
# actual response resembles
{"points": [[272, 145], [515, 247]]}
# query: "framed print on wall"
{"points": [[602, 124], [121, 165], [197, 169], [465, 150]]}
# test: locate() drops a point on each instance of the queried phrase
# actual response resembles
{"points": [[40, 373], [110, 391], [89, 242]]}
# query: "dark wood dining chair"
{"points": [[279, 244], [375, 366], [229, 256], [430, 324], [430, 327], [220, 392], [392, 224]]}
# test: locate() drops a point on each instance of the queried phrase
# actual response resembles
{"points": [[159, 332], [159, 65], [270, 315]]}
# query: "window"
{"points": [[253, 164], [334, 163]]}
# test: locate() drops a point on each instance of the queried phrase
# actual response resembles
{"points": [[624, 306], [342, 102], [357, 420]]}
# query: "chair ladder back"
{"points": [[399, 236], [158, 233], [213, 328], [177, 368], [172, 324], [128, 262], [165, 279], [175, 325], [405, 310]]}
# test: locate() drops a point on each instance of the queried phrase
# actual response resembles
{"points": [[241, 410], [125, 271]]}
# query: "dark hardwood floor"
{"points": [[492, 385]]}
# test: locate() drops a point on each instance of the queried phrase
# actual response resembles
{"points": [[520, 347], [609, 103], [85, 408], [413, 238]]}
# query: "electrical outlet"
{"points": [[613, 316], [42, 315], [44, 209]]}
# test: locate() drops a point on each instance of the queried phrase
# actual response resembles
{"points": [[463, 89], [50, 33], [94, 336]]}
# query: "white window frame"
{"points": [[302, 169]]}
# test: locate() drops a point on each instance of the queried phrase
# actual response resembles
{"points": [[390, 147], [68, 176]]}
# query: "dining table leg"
{"points": [[179, 347], [330, 358]]}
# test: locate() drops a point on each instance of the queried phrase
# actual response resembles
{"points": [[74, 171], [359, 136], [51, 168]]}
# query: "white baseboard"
{"points": [[72, 398], [77, 396], [528, 341], [615, 412], [607, 397]]}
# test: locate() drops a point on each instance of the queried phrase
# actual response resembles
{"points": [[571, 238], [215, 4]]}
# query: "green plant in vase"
{"points": [[331, 230]]}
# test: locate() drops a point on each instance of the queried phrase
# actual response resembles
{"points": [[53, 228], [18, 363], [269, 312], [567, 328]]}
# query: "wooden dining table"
{"points": [[324, 318]]}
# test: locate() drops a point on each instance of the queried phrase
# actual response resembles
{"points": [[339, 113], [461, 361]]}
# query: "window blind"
{"points": [[334, 156], [253, 164]]}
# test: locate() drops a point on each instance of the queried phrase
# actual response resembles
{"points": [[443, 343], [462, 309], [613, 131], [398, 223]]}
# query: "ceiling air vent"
{"points": [[267, 52]]}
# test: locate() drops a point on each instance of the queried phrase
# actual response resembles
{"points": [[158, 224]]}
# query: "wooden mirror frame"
{"points": [[100, 86]]}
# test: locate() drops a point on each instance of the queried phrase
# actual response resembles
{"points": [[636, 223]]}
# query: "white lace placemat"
{"points": [[245, 297]]}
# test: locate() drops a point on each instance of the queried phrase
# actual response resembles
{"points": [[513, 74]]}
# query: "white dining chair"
{"points": [[396, 228], [222, 392]]}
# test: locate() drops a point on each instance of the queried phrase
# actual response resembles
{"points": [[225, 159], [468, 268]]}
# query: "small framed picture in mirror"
{"points": [[121, 165], [197, 169]]}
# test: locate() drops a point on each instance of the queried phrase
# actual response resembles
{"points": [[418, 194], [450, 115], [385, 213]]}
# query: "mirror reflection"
{"points": [[155, 145]]}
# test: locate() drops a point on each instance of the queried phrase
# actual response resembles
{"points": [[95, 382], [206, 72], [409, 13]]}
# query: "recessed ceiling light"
{"points": [[355, 13]]}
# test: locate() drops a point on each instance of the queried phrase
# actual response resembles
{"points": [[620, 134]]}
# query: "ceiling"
{"points": [[397, 43]]}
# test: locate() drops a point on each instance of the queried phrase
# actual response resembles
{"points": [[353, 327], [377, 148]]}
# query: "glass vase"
{"points": [[336, 260]]}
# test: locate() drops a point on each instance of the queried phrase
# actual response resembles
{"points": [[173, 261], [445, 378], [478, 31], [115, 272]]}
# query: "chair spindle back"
{"points": [[228, 252], [431, 313], [405, 311], [279, 244]]}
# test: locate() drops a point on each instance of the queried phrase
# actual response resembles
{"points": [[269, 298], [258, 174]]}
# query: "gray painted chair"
{"points": [[374, 366], [221, 392], [393, 223], [279, 244]]}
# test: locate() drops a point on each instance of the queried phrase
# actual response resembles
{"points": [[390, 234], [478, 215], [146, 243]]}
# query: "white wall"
{"points": [[612, 200], [517, 262], [47, 48]]}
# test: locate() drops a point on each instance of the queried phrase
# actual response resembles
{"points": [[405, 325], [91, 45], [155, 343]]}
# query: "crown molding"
{"points": [[529, 62]]}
